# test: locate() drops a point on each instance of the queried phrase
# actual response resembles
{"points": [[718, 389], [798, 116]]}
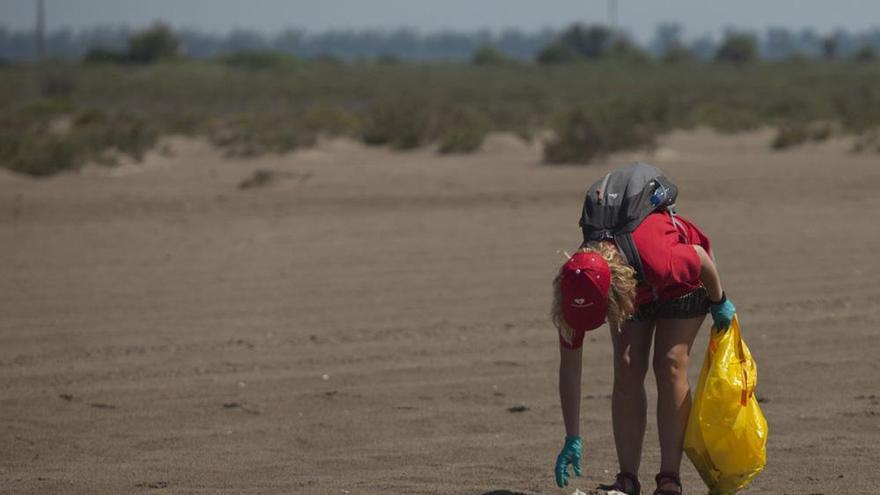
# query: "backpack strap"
{"points": [[627, 247]]}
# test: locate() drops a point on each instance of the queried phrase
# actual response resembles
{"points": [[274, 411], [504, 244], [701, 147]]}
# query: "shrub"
{"points": [[57, 80], [858, 107], [261, 177], [463, 131], [153, 44], [866, 54], [124, 133], [253, 135], [585, 134], [330, 121], [38, 112], [593, 42], [259, 60], [105, 56], [727, 117], [557, 52], [489, 55], [38, 154], [737, 48], [676, 53], [403, 124], [867, 141], [626, 50], [590, 42], [33, 142], [793, 134]]}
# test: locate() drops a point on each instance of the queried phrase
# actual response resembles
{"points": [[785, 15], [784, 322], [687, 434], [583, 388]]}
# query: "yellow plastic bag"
{"points": [[726, 435]]}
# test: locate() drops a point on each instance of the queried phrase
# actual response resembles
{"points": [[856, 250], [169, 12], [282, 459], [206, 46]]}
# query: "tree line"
{"points": [[549, 45]]}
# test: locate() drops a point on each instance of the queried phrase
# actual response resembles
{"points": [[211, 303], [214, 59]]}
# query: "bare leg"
{"points": [[673, 341], [629, 405]]}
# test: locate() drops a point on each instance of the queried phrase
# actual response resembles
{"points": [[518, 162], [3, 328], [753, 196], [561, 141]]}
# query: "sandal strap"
{"points": [[668, 476], [620, 484]]}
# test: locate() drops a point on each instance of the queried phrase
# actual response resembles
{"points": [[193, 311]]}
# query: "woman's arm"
{"points": [[709, 274], [570, 388]]}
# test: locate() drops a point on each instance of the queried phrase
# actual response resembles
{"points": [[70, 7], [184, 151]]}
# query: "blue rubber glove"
{"points": [[722, 313], [570, 454]]}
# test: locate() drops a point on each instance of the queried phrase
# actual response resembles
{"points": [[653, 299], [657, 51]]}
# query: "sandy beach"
{"points": [[375, 322]]}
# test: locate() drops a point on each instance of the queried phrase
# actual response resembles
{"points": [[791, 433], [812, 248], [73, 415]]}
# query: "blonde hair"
{"points": [[621, 295]]}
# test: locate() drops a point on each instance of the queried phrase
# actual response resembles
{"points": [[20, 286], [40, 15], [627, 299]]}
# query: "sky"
{"points": [[639, 17]]}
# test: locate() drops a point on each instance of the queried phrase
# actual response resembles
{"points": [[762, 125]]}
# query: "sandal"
{"points": [[668, 476], [621, 482]]}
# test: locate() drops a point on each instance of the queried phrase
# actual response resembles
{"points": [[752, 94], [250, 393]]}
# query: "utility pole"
{"points": [[40, 31]]}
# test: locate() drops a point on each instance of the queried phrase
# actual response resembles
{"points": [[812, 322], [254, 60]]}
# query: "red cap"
{"points": [[583, 287]]}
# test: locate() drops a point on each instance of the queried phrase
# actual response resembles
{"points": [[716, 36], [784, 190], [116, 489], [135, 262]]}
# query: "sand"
{"points": [[365, 322]]}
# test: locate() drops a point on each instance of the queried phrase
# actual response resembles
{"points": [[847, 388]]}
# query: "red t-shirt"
{"points": [[671, 266]]}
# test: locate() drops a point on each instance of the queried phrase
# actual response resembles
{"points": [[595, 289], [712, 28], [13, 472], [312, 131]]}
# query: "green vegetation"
{"points": [[61, 116], [738, 48], [590, 43], [868, 141], [587, 133], [796, 133], [154, 44], [259, 60], [489, 55], [48, 136]]}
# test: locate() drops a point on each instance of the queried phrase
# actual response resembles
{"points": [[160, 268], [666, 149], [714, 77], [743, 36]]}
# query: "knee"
{"points": [[671, 367], [629, 371]]}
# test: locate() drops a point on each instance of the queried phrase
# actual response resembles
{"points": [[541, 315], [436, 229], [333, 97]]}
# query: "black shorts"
{"points": [[690, 305]]}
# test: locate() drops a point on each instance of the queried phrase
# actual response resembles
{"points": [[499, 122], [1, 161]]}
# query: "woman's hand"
{"points": [[722, 312], [570, 455]]}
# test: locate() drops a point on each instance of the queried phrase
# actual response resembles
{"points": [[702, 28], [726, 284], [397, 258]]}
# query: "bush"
{"points": [[329, 121], [38, 155], [557, 52], [624, 49], [866, 54], [489, 55], [57, 80], [48, 137], [676, 53], [858, 108], [123, 133], [793, 134], [153, 44], [404, 124], [253, 135], [590, 42], [259, 60], [261, 177], [867, 141], [105, 56], [463, 131], [585, 134], [738, 48], [594, 42], [727, 117]]}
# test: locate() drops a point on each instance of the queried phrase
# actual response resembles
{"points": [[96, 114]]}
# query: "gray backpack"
{"points": [[618, 203]]}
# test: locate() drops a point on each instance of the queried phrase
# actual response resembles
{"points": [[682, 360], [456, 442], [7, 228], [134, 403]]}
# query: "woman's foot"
{"points": [[668, 484], [624, 484]]}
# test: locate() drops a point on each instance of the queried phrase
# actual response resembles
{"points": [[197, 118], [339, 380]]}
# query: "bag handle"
{"points": [[746, 394]]}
